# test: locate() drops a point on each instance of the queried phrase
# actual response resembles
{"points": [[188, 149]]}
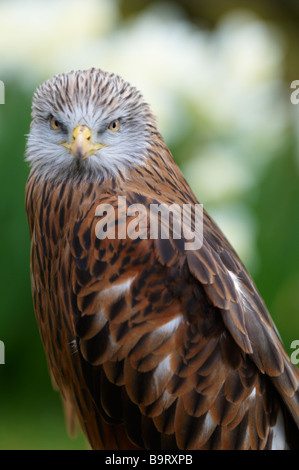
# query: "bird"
{"points": [[152, 342]]}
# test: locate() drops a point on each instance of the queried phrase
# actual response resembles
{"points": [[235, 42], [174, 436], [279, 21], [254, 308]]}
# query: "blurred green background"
{"points": [[217, 75]]}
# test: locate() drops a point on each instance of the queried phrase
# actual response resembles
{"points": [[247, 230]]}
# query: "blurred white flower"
{"points": [[36, 35], [239, 227], [218, 180], [216, 174]]}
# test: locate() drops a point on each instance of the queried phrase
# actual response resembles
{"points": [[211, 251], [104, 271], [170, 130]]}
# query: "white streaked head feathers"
{"points": [[93, 98]]}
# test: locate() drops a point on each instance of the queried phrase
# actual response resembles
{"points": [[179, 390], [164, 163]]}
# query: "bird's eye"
{"points": [[55, 125], [114, 125]]}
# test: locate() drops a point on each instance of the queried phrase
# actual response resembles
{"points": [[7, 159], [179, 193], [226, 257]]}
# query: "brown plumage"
{"points": [[151, 345]]}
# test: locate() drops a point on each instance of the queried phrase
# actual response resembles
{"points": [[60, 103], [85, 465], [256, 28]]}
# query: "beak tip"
{"points": [[81, 146]]}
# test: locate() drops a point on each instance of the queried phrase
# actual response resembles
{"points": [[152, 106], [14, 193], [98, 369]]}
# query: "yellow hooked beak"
{"points": [[81, 146]]}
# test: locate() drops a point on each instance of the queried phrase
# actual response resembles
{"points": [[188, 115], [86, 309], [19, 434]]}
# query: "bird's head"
{"points": [[88, 123]]}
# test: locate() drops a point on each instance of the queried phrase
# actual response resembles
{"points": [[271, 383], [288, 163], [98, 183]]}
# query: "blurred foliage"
{"points": [[31, 415], [278, 221]]}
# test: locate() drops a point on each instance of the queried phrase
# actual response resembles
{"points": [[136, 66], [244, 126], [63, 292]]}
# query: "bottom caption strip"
{"points": [[194, 459]]}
